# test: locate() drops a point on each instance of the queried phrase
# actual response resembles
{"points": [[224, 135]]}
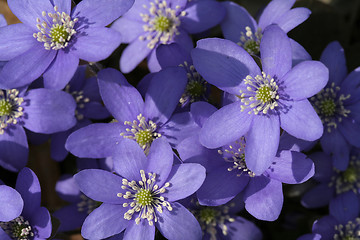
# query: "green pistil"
{"points": [[328, 107], [5, 108], [208, 215], [58, 33], [263, 94], [252, 47], [162, 24], [143, 137], [195, 89], [350, 175], [144, 197]]}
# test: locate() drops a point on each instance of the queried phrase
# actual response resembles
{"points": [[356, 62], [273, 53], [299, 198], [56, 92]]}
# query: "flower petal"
{"points": [[273, 11], [201, 111], [70, 217], [60, 70], [301, 115], [184, 179], [292, 18], [129, 29], [160, 103], [350, 129], [63, 5], [142, 231], [129, 158], [262, 143], [325, 226], [299, 53], [305, 80], [105, 221], [345, 207], [49, 111], [178, 224], [264, 198], [42, 221], [133, 54], [171, 55], [122, 100], [275, 51], [223, 126], [100, 185], [223, 63], [318, 196], [11, 203], [95, 43]]}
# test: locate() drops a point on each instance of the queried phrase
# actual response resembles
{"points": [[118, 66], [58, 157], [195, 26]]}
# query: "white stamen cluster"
{"points": [[250, 41], [329, 105], [348, 180], [10, 109], [236, 155], [261, 95], [145, 197], [56, 29], [351, 231], [211, 218], [80, 100], [86, 204], [162, 23], [196, 86], [18, 229], [142, 132]]}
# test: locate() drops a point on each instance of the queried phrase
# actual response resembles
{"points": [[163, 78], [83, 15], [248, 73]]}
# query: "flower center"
{"points": [[208, 215], [195, 88], [348, 180], [235, 154], [161, 23], [10, 109], [80, 100], [145, 197], [250, 41], [56, 29], [261, 94], [18, 229], [142, 132], [351, 231], [329, 105], [87, 205]]}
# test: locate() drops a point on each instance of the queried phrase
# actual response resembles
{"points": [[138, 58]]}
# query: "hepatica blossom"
{"points": [[52, 38], [150, 23], [266, 100], [142, 194], [11, 203]]}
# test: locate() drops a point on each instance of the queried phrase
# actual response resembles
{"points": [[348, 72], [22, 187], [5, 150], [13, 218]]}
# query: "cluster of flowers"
{"points": [[169, 159]]}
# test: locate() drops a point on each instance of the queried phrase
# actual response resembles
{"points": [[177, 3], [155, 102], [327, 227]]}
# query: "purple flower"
{"points": [[240, 27], [266, 100], [343, 221], [11, 203], [143, 194], [2, 21], [150, 23], [34, 221], [135, 119], [338, 106], [38, 110], [52, 38]]}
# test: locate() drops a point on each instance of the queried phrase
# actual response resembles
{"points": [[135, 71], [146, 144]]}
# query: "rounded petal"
{"points": [[61, 70], [350, 129], [184, 179], [105, 221], [142, 231], [11, 203], [299, 53], [129, 29], [133, 54], [14, 148], [325, 226], [334, 59], [305, 80], [27, 184], [100, 185], [42, 221], [223, 126], [49, 111], [293, 18], [95, 43], [67, 188], [201, 111], [262, 143], [273, 11], [318, 196], [301, 121], [202, 15], [264, 198], [171, 55], [152, 62], [122, 100], [178, 224], [129, 158], [101, 14], [243, 229], [275, 51], [291, 167], [345, 207], [223, 63], [96, 140]]}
